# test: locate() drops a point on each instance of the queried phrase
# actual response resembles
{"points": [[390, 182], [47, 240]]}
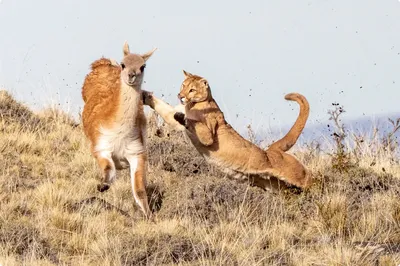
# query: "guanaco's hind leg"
{"points": [[138, 165], [108, 168]]}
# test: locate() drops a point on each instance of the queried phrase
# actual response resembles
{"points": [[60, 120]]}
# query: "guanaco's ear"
{"points": [[187, 74], [148, 54], [126, 49], [114, 62]]}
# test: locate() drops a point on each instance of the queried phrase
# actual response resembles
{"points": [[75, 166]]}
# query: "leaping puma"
{"points": [[203, 121]]}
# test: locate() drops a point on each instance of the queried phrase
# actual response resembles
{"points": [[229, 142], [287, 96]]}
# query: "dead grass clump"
{"points": [[364, 182], [23, 240], [162, 248], [173, 153], [213, 199], [15, 116], [12, 111], [54, 115]]}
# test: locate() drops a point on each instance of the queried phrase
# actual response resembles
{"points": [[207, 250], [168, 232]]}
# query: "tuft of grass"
{"points": [[390, 141], [52, 214]]}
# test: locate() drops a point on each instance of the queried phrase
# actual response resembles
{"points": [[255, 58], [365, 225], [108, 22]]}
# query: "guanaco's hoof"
{"points": [[103, 187]]}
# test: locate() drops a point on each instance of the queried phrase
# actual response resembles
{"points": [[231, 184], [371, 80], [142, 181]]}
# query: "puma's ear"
{"points": [[126, 49], [148, 54], [205, 83], [187, 74]]}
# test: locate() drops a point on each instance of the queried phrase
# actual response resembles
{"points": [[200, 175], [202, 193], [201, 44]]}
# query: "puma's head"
{"points": [[195, 89], [133, 65]]}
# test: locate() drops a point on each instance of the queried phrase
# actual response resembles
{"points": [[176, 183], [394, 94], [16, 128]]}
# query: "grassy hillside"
{"points": [[51, 212]]}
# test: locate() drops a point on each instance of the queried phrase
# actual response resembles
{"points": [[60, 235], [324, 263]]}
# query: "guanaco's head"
{"points": [[194, 89], [133, 65]]}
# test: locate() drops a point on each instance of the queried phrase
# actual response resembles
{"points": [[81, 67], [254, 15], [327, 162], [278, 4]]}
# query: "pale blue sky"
{"points": [[345, 51]]}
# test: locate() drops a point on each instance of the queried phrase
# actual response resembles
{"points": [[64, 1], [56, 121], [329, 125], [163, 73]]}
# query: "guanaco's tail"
{"points": [[285, 143]]}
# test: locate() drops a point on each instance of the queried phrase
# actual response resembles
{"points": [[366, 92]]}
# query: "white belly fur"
{"points": [[125, 138]]}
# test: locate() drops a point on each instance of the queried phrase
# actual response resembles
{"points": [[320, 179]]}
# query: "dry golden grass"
{"points": [[51, 212]]}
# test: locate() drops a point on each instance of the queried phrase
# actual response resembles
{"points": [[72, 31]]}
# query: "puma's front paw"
{"points": [[147, 98], [180, 117]]}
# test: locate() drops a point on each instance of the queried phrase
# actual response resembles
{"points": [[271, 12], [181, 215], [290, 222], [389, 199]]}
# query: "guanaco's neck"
{"points": [[130, 101]]}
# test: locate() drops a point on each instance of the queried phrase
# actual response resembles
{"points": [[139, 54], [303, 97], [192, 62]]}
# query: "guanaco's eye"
{"points": [[142, 67], [122, 65]]}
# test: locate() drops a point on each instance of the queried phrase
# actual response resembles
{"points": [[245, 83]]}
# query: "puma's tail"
{"points": [[285, 143]]}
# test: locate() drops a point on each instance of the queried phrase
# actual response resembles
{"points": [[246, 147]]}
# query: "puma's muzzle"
{"points": [[182, 99]]}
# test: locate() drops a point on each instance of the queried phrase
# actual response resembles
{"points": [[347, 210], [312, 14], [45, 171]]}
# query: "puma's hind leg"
{"points": [[290, 169], [272, 183], [107, 167], [138, 165]]}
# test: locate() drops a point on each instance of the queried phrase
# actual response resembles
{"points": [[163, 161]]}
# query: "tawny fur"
{"points": [[287, 142], [114, 121], [221, 145]]}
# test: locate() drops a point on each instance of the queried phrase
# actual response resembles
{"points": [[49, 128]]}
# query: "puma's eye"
{"points": [[142, 67], [191, 90], [122, 65]]}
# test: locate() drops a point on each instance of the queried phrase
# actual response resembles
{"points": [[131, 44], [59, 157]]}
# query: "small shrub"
{"points": [[341, 160]]}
